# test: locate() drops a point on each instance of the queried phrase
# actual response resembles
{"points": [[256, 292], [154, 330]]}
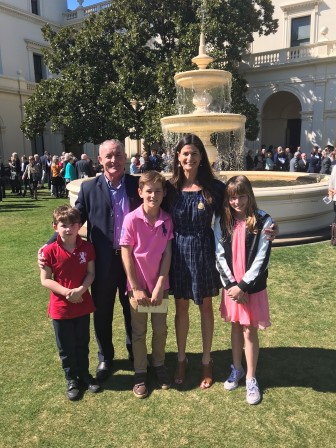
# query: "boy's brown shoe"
{"points": [[140, 389]]}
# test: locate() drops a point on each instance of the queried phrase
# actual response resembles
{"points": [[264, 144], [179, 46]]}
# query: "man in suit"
{"points": [[103, 202], [294, 162], [303, 163], [83, 167]]}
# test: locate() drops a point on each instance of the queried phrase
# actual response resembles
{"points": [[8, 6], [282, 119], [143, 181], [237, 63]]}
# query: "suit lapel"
{"points": [[102, 184]]}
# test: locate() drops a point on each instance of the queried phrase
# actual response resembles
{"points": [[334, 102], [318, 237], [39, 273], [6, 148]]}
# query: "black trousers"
{"points": [[104, 290], [72, 339]]}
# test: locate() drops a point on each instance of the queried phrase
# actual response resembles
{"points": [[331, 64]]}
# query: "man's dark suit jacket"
{"points": [[94, 204], [83, 167]]}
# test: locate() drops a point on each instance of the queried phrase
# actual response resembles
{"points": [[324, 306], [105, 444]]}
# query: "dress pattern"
{"points": [[193, 273], [256, 311]]}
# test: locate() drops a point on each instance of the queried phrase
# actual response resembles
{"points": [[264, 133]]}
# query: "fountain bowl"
{"points": [[203, 79], [209, 122]]}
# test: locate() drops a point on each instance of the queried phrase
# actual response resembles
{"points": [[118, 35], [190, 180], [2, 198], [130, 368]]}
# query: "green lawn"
{"points": [[296, 369]]}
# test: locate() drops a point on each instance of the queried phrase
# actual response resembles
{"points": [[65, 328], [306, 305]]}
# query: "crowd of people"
{"points": [[278, 159], [149, 236], [29, 174]]}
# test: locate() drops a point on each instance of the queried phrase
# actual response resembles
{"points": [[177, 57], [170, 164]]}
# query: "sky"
{"points": [[72, 4]]}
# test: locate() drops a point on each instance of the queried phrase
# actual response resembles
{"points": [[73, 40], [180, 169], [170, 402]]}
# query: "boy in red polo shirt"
{"points": [[146, 253], [68, 272]]}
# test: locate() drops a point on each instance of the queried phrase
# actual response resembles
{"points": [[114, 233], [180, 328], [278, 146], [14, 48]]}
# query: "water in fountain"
{"points": [[204, 104]]}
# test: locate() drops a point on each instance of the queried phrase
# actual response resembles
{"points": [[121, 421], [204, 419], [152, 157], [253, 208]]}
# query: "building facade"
{"points": [[22, 66], [292, 76]]}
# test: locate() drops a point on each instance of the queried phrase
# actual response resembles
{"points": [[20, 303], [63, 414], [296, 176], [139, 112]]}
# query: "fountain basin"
{"points": [[202, 122], [203, 79], [296, 208]]}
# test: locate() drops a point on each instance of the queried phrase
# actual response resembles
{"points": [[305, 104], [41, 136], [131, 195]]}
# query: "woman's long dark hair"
{"points": [[205, 175]]}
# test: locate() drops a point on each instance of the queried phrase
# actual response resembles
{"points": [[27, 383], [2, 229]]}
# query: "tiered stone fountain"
{"points": [[204, 102]]}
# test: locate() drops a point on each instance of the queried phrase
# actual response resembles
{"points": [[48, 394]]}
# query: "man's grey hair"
{"points": [[114, 142]]}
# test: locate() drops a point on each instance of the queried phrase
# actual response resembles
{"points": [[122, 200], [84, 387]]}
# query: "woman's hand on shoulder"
{"points": [[272, 231]]}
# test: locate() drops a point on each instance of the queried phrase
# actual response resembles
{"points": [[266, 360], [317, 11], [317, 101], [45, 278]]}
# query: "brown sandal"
{"points": [[180, 372], [207, 375]]}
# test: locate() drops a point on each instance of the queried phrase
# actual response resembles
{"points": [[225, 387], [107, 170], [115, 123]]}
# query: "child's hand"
{"points": [[141, 297], [237, 295], [157, 296], [75, 295]]}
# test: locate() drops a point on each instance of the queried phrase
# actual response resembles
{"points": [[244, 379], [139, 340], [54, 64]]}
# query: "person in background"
{"points": [[145, 163], [83, 167], [15, 173], [294, 163], [282, 162], [269, 164], [2, 180], [56, 180], [38, 168], [155, 160], [30, 178], [303, 163], [259, 160], [133, 166], [249, 160], [325, 163], [70, 170]]}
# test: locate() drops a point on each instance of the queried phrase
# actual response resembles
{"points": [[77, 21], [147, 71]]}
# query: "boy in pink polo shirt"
{"points": [[146, 253], [68, 272]]}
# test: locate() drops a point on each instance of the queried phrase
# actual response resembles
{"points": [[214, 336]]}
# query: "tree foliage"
{"points": [[131, 51]]}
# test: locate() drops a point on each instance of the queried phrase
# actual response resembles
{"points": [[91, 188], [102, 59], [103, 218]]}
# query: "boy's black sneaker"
{"points": [[72, 391]]}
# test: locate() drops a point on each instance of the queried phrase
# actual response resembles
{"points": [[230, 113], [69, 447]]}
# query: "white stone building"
{"points": [[22, 67], [292, 76]]}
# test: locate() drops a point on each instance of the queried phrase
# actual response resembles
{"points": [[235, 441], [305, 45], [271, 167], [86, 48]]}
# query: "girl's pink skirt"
{"points": [[254, 313]]}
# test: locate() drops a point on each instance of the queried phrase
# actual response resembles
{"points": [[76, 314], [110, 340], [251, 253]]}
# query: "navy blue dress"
{"points": [[193, 273]]}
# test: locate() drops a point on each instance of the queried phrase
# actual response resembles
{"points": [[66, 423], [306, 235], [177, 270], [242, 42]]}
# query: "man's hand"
{"points": [[40, 257]]}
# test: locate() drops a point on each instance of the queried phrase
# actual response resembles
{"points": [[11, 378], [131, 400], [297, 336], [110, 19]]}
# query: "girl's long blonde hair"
{"points": [[238, 186]]}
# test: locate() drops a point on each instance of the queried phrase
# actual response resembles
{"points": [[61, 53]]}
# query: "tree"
{"points": [[131, 51]]}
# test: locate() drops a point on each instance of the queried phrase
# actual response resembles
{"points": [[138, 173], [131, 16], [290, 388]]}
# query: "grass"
{"points": [[296, 368]]}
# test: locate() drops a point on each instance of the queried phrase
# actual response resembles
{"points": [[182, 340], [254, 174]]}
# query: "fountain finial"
{"points": [[202, 60]]}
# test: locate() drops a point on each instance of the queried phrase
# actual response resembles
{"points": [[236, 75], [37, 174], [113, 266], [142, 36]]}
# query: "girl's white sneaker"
{"points": [[235, 376], [252, 391]]}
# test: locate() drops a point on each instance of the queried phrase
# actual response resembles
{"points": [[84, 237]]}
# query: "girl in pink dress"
{"points": [[243, 252]]}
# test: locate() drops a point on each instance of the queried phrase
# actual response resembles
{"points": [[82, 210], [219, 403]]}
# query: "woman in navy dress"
{"points": [[194, 195]]}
